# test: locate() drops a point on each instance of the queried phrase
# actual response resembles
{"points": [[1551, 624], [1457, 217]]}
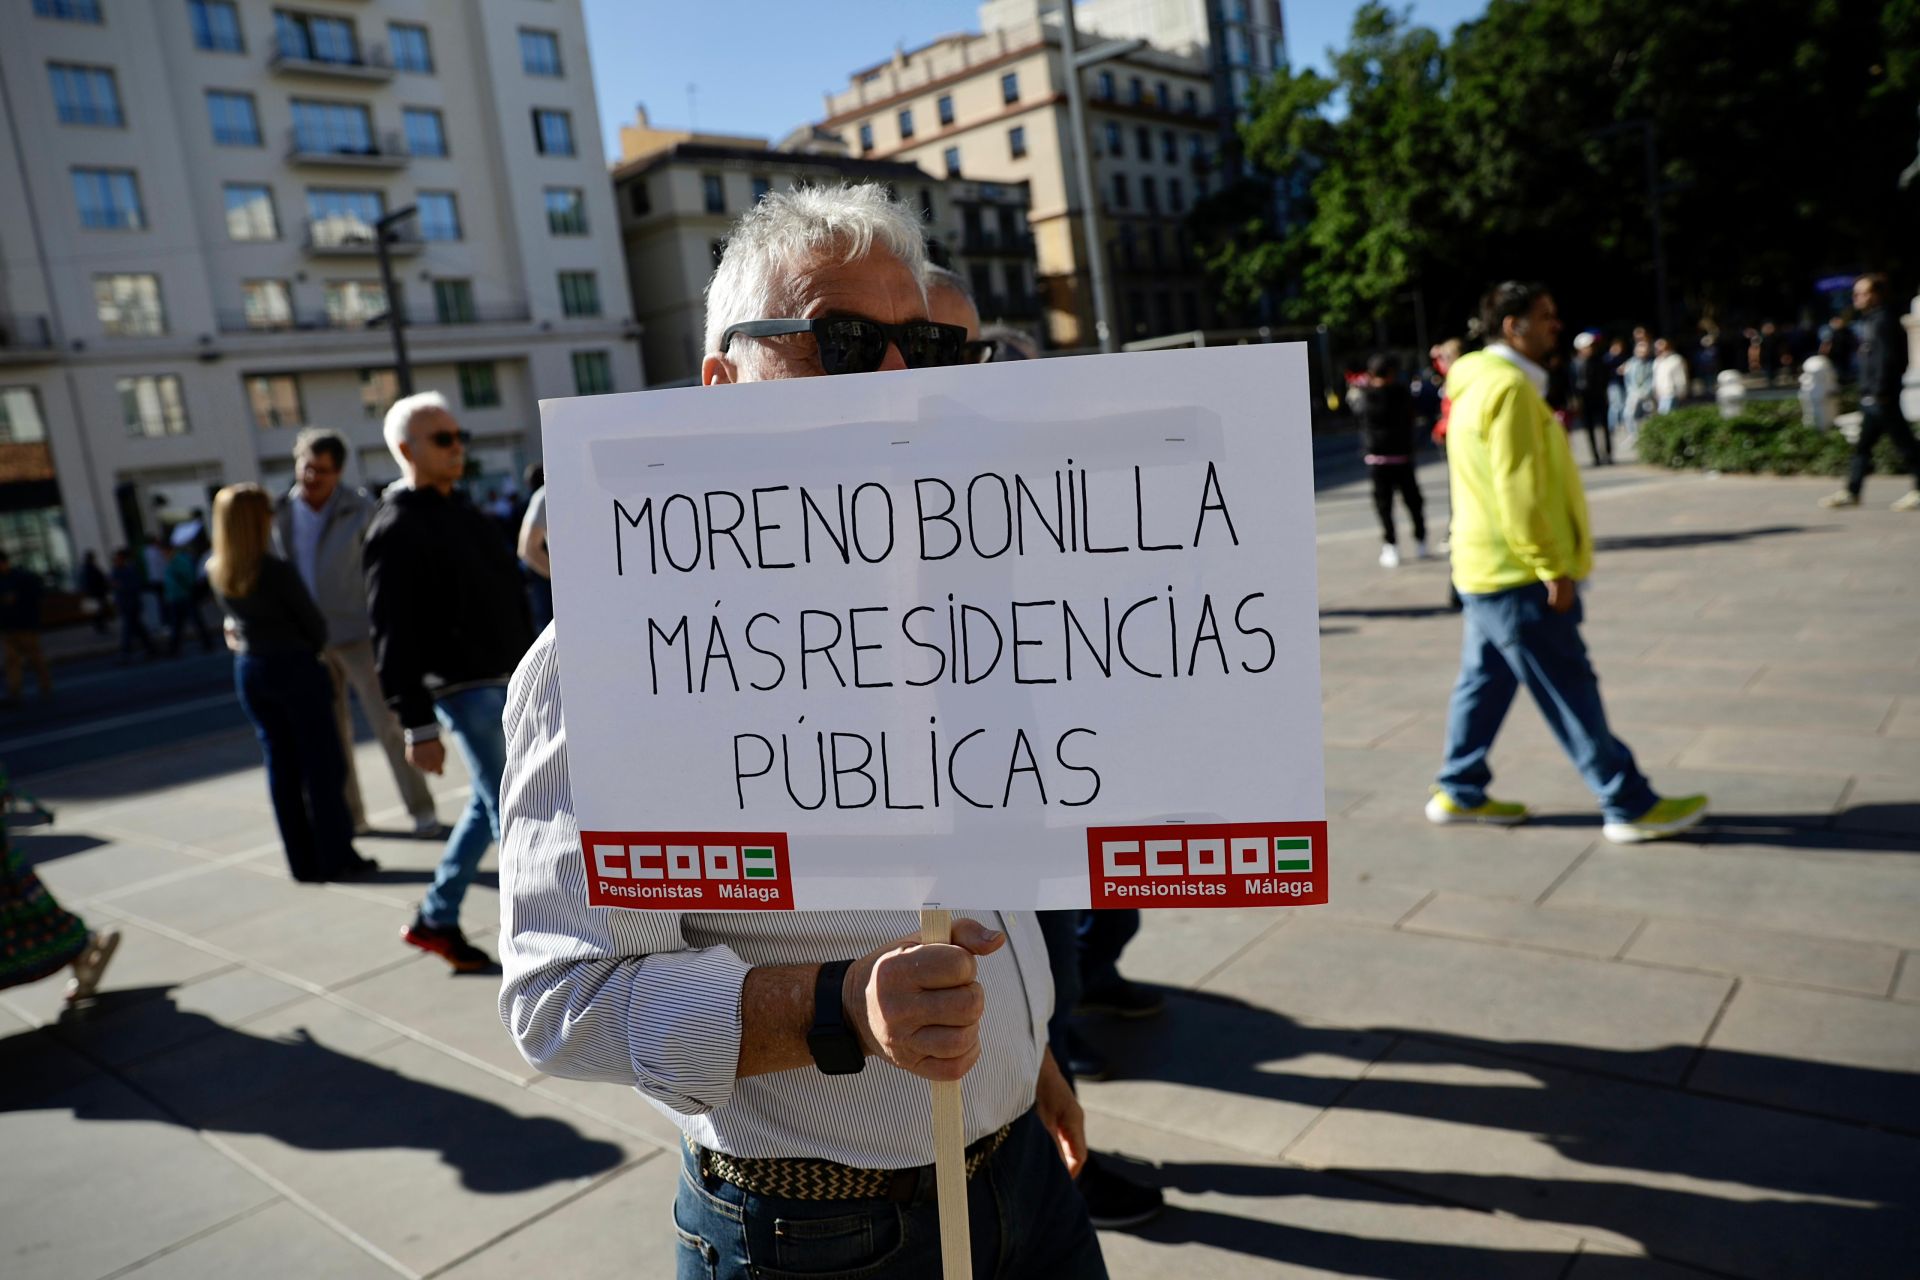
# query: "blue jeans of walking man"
{"points": [[1512, 638], [472, 718]]}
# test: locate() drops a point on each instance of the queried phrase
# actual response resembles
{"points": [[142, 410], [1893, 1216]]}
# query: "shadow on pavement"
{"points": [[300, 1092], [1729, 1184], [1864, 828], [1396, 611], [39, 847], [1672, 541]]}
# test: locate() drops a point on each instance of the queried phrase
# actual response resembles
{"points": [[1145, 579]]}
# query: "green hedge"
{"points": [[1766, 439]]}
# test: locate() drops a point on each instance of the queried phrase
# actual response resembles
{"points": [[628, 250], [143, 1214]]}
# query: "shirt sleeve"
{"points": [[597, 993]]}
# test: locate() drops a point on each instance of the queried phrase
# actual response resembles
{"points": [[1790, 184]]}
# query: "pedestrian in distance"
{"points": [[792, 1054], [1617, 357], [1669, 376], [39, 938], [1636, 379], [21, 594], [129, 601], [179, 588], [1591, 379], [1383, 407], [277, 633], [1880, 354], [319, 526], [93, 584], [450, 621], [1521, 546]]}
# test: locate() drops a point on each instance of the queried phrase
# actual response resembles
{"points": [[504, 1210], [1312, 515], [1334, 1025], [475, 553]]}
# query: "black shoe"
{"points": [[356, 868], [1084, 1062], [449, 944], [1122, 999], [1114, 1201]]}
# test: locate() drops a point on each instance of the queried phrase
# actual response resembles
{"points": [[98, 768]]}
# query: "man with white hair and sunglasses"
{"points": [[791, 1048], [450, 620]]}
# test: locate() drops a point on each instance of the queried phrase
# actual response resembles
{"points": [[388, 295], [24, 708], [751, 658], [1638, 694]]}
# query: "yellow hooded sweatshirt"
{"points": [[1519, 513]]}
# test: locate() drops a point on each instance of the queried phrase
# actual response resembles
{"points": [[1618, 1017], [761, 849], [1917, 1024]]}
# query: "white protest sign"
{"points": [[1024, 635]]}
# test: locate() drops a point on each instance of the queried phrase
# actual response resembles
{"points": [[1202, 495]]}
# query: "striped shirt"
{"points": [[651, 999]]}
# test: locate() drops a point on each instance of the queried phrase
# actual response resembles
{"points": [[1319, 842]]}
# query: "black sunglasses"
{"points": [[445, 439], [855, 344]]}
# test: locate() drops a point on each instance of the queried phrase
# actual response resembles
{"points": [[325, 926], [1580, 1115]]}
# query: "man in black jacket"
{"points": [[1881, 357], [449, 625], [1384, 409]]}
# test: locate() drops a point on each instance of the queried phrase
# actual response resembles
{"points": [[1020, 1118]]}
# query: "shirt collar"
{"points": [[1535, 374]]}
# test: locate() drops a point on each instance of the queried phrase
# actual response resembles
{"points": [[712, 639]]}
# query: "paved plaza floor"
{"points": [[1495, 1054]]}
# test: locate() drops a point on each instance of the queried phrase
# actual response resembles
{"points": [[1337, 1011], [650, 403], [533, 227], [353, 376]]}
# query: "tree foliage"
{"points": [[1517, 147]]}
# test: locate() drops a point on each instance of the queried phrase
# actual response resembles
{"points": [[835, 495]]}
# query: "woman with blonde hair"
{"points": [[277, 633]]}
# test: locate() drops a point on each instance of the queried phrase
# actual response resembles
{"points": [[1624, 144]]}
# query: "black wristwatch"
{"points": [[836, 1049]]}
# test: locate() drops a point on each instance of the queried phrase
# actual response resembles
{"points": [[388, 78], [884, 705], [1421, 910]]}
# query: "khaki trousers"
{"points": [[352, 665], [23, 649]]}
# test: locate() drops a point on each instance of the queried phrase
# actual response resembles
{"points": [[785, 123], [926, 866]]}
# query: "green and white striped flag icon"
{"points": [[1290, 853], [758, 863]]}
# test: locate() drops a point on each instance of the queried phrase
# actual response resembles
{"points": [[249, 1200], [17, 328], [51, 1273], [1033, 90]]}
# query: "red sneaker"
{"points": [[448, 943]]}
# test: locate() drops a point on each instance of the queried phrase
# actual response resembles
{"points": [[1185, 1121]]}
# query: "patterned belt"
{"points": [[795, 1178]]}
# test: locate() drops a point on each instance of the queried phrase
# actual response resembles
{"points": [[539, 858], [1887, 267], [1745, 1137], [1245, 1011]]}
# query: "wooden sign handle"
{"points": [[949, 1143]]}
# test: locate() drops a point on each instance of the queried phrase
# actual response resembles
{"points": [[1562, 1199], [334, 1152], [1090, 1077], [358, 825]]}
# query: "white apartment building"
{"points": [[188, 271]]}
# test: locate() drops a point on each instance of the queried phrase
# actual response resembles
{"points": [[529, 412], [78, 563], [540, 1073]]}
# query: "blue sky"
{"points": [[762, 66]]}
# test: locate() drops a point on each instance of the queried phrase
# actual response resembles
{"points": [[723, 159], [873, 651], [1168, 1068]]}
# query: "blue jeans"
{"points": [[1026, 1219], [472, 717], [1511, 637], [289, 698]]}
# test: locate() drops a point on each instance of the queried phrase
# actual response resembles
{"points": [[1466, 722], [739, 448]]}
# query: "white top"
{"points": [[1535, 374], [308, 525], [651, 999]]}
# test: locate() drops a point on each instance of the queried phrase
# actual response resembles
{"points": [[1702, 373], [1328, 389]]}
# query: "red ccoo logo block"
{"points": [[688, 870], [1220, 864]]}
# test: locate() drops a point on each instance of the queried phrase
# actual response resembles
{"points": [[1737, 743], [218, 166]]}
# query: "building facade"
{"points": [[992, 107], [678, 203], [188, 265]]}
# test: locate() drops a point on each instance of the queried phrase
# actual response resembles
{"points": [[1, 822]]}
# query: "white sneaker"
{"points": [[1843, 498], [91, 964], [1389, 556], [1420, 551], [1908, 501]]}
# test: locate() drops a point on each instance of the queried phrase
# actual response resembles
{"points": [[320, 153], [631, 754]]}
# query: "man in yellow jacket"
{"points": [[1520, 548]]}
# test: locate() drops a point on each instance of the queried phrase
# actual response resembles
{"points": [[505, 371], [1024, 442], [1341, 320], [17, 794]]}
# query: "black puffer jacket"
{"points": [[1385, 414], [1881, 357], [448, 607]]}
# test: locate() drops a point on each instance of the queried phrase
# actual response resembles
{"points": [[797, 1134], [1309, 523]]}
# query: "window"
{"points": [[1010, 87], [312, 37], [379, 388], [1162, 95], [439, 215], [952, 157], [267, 304], [85, 95], [1105, 85], [1017, 141], [944, 108], [1150, 193], [638, 200], [1197, 145], [152, 405], [1126, 246], [866, 137], [340, 217], [426, 133], [453, 302], [1136, 91], [275, 401], [539, 52], [1169, 147], [761, 188], [566, 211], [68, 10], [478, 387], [592, 373], [109, 200], [129, 305], [715, 192], [250, 213], [354, 302], [216, 26], [1190, 103], [20, 420], [579, 294], [552, 132], [408, 44], [1120, 198], [1176, 195], [235, 122], [1115, 140], [1143, 142], [906, 124], [332, 128]]}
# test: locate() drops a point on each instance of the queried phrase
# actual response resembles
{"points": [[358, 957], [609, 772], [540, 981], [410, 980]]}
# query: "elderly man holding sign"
{"points": [[791, 1047]]}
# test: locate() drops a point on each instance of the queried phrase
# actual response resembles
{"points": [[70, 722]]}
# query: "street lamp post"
{"points": [[1077, 62], [396, 321]]}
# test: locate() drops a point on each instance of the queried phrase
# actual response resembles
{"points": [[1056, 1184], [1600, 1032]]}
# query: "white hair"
{"points": [[790, 230], [400, 419], [936, 278]]}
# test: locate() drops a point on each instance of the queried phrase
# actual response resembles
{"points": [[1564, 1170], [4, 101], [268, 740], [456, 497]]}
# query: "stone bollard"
{"points": [[1910, 385], [1819, 393], [1731, 393]]}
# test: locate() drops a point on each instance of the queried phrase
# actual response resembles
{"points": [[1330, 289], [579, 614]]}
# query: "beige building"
{"points": [[678, 203], [993, 107], [187, 258]]}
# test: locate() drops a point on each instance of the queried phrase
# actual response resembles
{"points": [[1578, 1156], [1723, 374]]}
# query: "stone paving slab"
{"points": [[1810, 1051], [1600, 935], [624, 1226], [301, 1248], [1835, 963]]}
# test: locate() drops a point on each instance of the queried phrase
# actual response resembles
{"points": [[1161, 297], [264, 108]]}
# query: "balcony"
{"points": [[386, 150], [368, 63], [25, 339], [987, 240], [351, 238], [308, 321]]}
